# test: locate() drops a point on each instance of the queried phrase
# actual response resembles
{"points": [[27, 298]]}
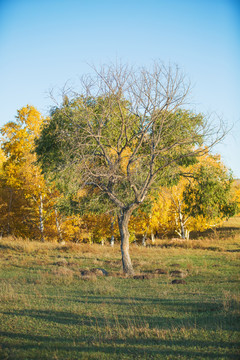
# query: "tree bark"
{"points": [[41, 224], [144, 239], [59, 230], [182, 226], [112, 229], [9, 211], [112, 241], [152, 237], [123, 220]]}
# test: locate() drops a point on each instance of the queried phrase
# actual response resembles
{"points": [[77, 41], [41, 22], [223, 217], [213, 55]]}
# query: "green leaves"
{"points": [[209, 195]]}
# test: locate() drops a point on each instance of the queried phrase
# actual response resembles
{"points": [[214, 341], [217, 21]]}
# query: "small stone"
{"points": [[95, 272], [160, 271], [86, 272], [178, 281], [99, 272]]}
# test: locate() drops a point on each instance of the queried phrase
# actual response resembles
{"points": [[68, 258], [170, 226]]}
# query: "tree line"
{"points": [[122, 159]]}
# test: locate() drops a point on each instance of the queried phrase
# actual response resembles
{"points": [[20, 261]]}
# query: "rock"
{"points": [[160, 271], [87, 275], [178, 281], [96, 272], [99, 272]]}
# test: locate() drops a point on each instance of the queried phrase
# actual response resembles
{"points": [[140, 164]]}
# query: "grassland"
{"points": [[51, 310]]}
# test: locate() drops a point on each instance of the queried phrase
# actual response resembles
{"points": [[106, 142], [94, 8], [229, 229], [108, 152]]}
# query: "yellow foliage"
{"points": [[123, 158], [236, 192], [30, 199], [178, 207], [74, 229], [168, 213]]}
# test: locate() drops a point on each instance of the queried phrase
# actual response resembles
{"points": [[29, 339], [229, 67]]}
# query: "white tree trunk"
{"points": [[152, 237], [144, 239], [112, 241]]}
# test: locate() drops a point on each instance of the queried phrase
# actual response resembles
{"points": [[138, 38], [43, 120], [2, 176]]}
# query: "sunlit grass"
{"points": [[50, 310]]}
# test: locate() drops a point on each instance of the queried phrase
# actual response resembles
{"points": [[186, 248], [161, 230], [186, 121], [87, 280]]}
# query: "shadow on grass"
{"points": [[130, 334], [36, 345], [176, 314]]}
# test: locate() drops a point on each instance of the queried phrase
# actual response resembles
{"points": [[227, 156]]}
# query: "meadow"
{"points": [[54, 305]]}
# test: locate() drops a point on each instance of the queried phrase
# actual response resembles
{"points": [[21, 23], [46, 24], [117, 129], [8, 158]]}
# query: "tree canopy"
{"points": [[124, 133]]}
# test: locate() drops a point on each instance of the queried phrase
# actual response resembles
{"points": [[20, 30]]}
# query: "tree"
{"points": [[29, 198], [236, 193], [5, 199], [153, 217], [189, 210], [121, 136], [197, 202], [208, 194]]}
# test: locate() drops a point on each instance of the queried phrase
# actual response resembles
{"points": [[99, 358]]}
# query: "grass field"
{"points": [[52, 309]]}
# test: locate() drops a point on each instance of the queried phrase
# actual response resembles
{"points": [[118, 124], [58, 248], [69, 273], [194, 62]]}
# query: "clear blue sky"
{"points": [[44, 43]]}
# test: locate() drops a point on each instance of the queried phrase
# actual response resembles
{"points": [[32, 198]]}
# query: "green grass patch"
{"points": [[49, 310]]}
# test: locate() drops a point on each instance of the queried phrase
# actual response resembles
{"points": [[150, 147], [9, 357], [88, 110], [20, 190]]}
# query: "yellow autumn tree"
{"points": [[236, 193], [179, 221], [152, 220], [31, 201], [28, 205], [197, 202], [5, 199], [203, 200]]}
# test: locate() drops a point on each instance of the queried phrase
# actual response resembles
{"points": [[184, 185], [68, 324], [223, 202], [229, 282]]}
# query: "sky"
{"points": [[46, 43]]}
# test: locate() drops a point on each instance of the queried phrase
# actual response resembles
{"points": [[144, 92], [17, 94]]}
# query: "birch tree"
{"points": [[26, 186]]}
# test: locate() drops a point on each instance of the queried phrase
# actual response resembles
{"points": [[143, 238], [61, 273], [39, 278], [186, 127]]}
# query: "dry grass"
{"points": [[233, 222], [50, 310], [216, 239], [26, 246], [7, 292]]}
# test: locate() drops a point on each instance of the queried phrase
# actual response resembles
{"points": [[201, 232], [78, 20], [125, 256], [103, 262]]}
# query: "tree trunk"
{"points": [[112, 229], [41, 225], [144, 239], [152, 238], [59, 230], [112, 241], [123, 220], [182, 227], [9, 212]]}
